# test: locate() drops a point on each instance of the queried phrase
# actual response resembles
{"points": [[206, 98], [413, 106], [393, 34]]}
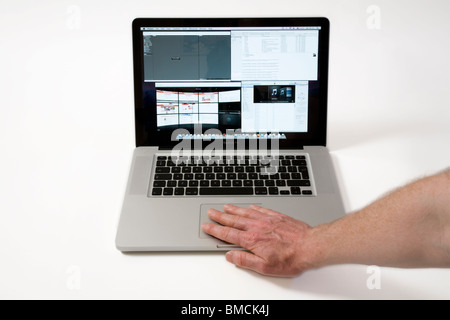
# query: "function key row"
{"points": [[248, 157]]}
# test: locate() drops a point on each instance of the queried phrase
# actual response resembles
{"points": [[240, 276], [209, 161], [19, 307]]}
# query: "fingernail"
{"points": [[229, 255]]}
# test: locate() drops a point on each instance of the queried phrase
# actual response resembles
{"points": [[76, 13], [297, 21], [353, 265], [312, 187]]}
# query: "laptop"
{"points": [[227, 111]]}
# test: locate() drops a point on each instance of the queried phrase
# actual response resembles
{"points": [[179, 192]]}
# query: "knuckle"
{"points": [[251, 237], [239, 260], [266, 269]]}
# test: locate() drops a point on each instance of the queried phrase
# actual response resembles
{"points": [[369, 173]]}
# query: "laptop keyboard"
{"points": [[284, 175]]}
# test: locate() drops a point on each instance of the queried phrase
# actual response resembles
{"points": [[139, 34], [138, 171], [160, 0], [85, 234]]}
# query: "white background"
{"points": [[67, 136]]}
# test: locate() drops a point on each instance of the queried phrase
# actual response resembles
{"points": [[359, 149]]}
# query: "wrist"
{"points": [[315, 248]]}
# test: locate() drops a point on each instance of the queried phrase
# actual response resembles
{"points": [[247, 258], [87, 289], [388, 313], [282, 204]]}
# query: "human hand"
{"points": [[277, 243]]}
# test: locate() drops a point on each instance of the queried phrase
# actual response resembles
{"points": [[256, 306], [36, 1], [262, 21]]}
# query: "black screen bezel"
{"points": [[145, 117]]}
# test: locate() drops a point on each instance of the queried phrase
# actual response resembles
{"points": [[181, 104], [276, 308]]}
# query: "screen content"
{"points": [[256, 80]]}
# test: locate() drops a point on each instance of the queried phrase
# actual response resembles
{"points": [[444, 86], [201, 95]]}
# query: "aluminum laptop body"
{"points": [[227, 111]]}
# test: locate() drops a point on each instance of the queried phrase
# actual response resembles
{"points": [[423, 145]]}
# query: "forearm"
{"points": [[408, 228]]}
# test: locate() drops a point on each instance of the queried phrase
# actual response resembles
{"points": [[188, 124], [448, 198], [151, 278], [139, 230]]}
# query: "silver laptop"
{"points": [[227, 111]]}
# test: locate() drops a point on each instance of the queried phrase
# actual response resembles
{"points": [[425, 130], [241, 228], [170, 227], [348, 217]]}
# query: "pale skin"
{"points": [[409, 228]]}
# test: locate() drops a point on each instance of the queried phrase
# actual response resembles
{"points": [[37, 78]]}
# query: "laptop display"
{"points": [[245, 81]]}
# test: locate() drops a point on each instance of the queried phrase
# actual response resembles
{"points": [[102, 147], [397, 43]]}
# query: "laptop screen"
{"points": [[218, 81]]}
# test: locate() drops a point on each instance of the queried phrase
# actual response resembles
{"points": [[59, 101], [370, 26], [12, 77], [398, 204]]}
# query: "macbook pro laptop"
{"points": [[227, 111]]}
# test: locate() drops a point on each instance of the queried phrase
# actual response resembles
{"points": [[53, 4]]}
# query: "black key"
{"points": [[253, 176], [218, 169], [179, 191], [300, 157], [229, 169], [249, 169], [290, 157], [199, 176], [281, 183], [242, 176], [285, 192], [197, 170], [296, 176], [168, 191], [159, 184], [193, 183], [163, 176], [226, 183], [261, 190], [210, 176], [298, 183], [239, 169], [299, 162], [285, 175], [186, 170], [207, 169], [182, 183], [215, 183], [157, 191], [162, 170], [204, 183], [231, 176], [191, 191], [188, 176], [170, 163], [160, 163], [161, 158], [259, 183], [292, 169], [220, 176], [305, 175], [305, 183], [248, 183], [275, 176], [295, 190], [273, 190], [171, 183], [307, 192], [270, 183], [226, 191], [237, 183], [176, 170], [178, 176]]}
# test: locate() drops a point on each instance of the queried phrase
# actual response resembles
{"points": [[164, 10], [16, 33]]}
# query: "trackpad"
{"points": [[217, 206]]}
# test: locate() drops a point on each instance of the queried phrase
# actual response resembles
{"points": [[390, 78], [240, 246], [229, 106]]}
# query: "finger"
{"points": [[264, 210], [226, 234], [246, 260], [243, 212], [229, 220]]}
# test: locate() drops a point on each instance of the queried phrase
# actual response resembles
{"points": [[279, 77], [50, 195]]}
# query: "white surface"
{"points": [[66, 135]]}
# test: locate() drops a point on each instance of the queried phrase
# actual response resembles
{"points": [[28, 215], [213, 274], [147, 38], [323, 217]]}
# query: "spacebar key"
{"points": [[225, 191]]}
